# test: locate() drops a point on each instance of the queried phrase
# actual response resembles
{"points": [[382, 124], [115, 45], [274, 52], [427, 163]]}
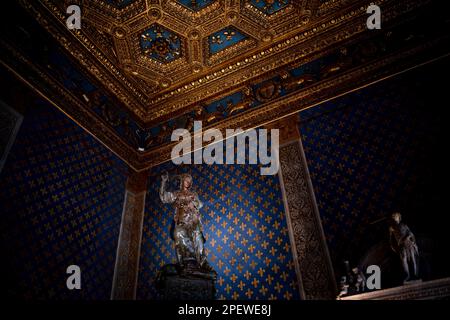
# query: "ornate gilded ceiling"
{"points": [[195, 5], [138, 69], [163, 46]]}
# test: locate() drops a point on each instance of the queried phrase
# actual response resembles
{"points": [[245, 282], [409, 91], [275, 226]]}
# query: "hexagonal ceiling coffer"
{"points": [[119, 4], [195, 5], [161, 44], [269, 7]]}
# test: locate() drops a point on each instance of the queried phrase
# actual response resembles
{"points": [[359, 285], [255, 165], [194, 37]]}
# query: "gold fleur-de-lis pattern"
{"points": [[247, 239], [61, 195]]}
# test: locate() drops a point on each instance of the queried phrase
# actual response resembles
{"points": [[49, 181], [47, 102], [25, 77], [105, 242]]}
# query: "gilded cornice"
{"points": [[314, 41], [68, 103], [298, 48], [314, 95], [87, 54], [303, 36], [121, 78]]}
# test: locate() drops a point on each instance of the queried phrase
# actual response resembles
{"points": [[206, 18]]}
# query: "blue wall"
{"points": [[61, 194], [245, 227]]}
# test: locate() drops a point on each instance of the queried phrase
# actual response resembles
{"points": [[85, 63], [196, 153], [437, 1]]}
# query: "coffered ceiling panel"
{"points": [[165, 44], [138, 69]]}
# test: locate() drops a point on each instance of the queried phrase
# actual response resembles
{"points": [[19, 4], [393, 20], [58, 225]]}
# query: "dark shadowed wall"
{"points": [[380, 150]]}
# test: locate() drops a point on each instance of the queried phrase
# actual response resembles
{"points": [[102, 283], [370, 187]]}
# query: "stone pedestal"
{"points": [[174, 284], [188, 288]]}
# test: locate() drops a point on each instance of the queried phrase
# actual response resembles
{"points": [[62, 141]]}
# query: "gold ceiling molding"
{"points": [[293, 51], [136, 78], [303, 99], [267, 113], [330, 5], [87, 54], [193, 18], [175, 73], [105, 54], [130, 87], [71, 105]]}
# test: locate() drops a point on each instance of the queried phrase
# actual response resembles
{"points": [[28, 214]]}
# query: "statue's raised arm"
{"points": [[166, 196], [197, 202]]}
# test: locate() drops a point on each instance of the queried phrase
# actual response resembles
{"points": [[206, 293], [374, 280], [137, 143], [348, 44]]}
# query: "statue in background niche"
{"points": [[403, 242], [353, 282], [188, 232]]}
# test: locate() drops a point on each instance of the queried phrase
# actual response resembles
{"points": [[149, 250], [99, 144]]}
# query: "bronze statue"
{"points": [[353, 282], [404, 244], [188, 233], [359, 280]]}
